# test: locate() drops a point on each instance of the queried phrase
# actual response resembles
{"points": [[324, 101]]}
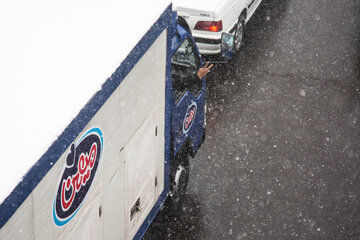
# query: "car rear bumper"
{"points": [[208, 46]]}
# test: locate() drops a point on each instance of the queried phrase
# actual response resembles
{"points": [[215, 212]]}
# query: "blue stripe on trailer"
{"points": [[33, 177]]}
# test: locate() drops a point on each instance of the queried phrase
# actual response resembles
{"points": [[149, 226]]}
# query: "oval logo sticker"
{"points": [[189, 117], [82, 161]]}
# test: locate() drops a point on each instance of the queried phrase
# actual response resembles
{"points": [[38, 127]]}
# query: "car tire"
{"points": [[179, 177], [239, 33]]}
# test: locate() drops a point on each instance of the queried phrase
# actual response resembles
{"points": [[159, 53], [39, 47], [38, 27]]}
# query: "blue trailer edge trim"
{"points": [[38, 171]]}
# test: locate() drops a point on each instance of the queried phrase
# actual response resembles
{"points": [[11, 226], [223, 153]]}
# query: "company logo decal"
{"points": [[82, 161], [189, 117]]}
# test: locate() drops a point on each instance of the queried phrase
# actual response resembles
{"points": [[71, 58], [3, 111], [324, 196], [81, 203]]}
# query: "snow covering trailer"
{"points": [[101, 106]]}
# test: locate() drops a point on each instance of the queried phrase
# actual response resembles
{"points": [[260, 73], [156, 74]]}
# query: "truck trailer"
{"points": [[101, 109]]}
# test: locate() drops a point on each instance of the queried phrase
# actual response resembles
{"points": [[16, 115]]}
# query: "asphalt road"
{"points": [[281, 159]]}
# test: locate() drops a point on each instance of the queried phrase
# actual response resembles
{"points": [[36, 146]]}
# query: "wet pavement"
{"points": [[281, 159]]}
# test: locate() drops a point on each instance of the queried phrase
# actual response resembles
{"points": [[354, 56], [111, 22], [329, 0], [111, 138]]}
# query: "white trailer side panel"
{"points": [[21, 225], [138, 102], [54, 56], [140, 158]]}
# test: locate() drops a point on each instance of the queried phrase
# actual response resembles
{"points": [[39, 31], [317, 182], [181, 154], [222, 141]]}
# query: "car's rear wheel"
{"points": [[239, 33], [179, 176]]}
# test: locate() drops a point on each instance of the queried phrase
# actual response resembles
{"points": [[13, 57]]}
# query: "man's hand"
{"points": [[204, 70]]}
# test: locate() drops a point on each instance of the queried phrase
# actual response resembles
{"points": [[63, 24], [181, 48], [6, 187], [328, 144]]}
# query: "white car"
{"points": [[207, 19]]}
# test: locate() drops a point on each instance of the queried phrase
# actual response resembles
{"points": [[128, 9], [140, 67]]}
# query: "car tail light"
{"points": [[209, 26]]}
